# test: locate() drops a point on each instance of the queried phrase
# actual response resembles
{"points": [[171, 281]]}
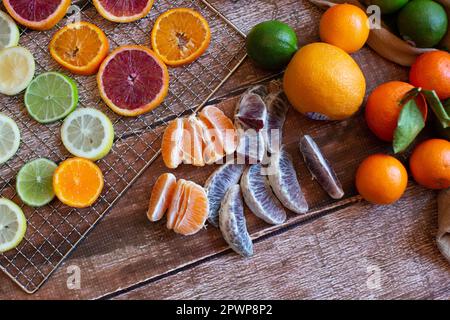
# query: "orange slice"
{"points": [[176, 204], [123, 10], [221, 127], [194, 212], [180, 36], [132, 80], [78, 182], [192, 144], [161, 196], [172, 143], [80, 47], [37, 14]]}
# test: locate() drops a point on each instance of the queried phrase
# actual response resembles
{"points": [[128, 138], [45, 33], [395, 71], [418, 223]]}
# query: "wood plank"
{"points": [[327, 259], [125, 250]]}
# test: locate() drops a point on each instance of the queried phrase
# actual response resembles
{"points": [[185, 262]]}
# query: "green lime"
{"points": [[88, 133], [34, 182], [389, 6], [423, 22], [51, 96], [9, 138], [9, 33], [13, 225], [272, 44]]}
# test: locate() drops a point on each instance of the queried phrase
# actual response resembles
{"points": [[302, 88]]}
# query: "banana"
{"points": [[384, 42]]}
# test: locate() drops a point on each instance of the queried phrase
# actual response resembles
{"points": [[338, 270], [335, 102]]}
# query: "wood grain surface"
{"points": [[324, 254]]}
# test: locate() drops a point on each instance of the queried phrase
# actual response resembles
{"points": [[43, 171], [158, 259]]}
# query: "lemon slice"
{"points": [[17, 70], [13, 225], [9, 33], [9, 138], [88, 133]]}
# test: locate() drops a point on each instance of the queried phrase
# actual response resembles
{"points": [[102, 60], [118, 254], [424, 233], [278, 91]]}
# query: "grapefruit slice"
{"points": [[161, 196], [37, 14], [132, 80], [123, 11]]}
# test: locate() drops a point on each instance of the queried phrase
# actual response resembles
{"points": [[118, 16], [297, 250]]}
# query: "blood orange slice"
{"points": [[132, 80], [123, 10], [37, 14]]}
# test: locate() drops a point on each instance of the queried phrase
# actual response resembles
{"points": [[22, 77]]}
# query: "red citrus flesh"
{"points": [[124, 8], [37, 14], [132, 80]]}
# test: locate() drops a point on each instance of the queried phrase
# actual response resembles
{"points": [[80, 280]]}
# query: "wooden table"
{"points": [[349, 249]]}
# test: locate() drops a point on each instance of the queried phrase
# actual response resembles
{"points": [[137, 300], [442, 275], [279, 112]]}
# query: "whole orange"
{"points": [[322, 81], [430, 164], [345, 26], [381, 179], [383, 108], [431, 71]]}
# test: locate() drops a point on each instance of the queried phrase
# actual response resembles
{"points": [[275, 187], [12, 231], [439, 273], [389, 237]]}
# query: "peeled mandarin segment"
{"points": [[161, 196], [196, 212], [180, 36], [192, 145], [80, 47], [212, 145], [171, 147], [175, 204], [223, 126], [184, 203], [78, 182]]}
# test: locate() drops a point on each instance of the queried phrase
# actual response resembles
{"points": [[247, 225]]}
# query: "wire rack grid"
{"points": [[55, 230]]}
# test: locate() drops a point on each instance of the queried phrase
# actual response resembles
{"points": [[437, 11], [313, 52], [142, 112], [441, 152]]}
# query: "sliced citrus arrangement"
{"points": [[51, 96], [34, 182], [161, 196], [199, 140], [80, 47], [88, 133], [13, 225], [132, 80], [9, 32], [180, 36], [17, 66], [123, 11], [37, 14], [78, 182], [9, 138]]}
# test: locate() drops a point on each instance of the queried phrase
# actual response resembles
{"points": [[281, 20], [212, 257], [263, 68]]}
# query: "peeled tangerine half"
{"points": [[232, 222], [189, 208], [259, 197]]}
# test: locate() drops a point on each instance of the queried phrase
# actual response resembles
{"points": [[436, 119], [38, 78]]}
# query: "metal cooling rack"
{"points": [[55, 230]]}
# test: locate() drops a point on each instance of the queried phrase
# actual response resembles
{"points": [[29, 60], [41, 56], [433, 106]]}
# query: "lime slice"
{"points": [[88, 133], [13, 225], [9, 138], [17, 66], [34, 182], [9, 33], [51, 96]]}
